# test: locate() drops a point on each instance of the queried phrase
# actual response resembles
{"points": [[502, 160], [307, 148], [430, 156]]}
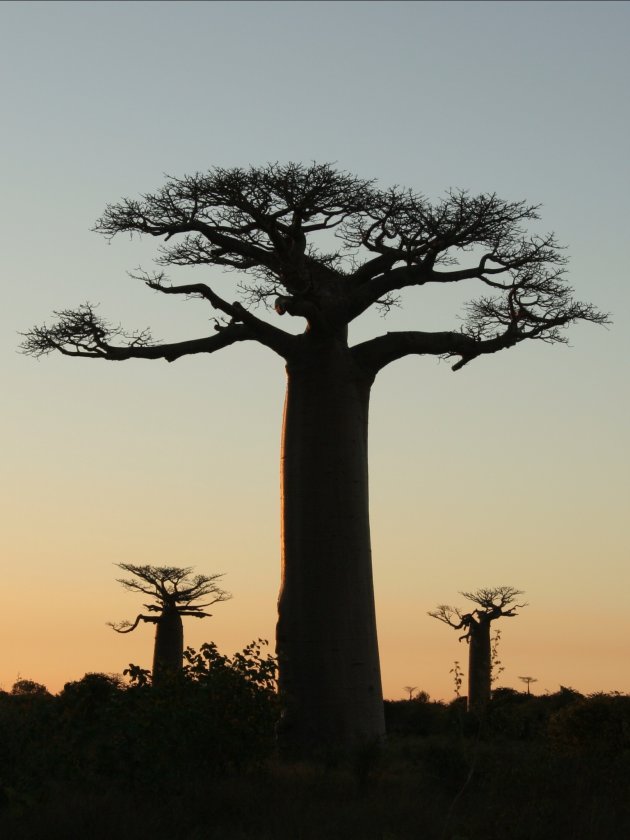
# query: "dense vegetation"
{"points": [[194, 759]]}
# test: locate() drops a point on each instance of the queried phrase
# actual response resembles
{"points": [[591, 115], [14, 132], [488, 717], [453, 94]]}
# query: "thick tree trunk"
{"points": [[479, 667], [168, 653], [329, 673]]}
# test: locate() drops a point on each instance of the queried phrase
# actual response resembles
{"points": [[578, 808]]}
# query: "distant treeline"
{"points": [[565, 719]]}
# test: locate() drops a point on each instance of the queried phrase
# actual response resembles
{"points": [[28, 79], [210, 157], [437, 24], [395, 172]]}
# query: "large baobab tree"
{"points": [[491, 604], [275, 224], [174, 593]]}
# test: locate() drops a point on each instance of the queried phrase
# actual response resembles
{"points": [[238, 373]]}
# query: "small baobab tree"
{"points": [[410, 689], [491, 604], [528, 681], [174, 592]]}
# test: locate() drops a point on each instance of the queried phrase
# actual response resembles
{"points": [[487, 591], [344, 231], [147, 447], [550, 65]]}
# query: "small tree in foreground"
{"points": [[458, 677], [274, 226], [174, 592], [496, 666], [491, 605]]}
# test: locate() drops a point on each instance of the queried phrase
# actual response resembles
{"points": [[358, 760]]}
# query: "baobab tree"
{"points": [[174, 594], [273, 224], [492, 604], [528, 681]]}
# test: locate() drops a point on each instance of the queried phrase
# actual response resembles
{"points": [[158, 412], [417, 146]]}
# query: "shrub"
{"points": [[599, 722]]}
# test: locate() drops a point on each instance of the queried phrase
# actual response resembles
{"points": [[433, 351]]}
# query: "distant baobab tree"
{"points": [[528, 681], [410, 689], [324, 247], [174, 592], [492, 604]]}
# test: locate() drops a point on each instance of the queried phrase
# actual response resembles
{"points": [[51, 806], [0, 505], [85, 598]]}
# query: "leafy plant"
{"points": [[458, 677], [496, 666]]}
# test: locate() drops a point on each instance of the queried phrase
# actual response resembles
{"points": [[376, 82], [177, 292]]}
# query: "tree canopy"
{"points": [[169, 587], [492, 603], [268, 223]]}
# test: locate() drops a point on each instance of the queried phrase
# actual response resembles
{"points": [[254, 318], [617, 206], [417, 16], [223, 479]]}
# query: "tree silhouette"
{"points": [[491, 605], [174, 592], [28, 688], [528, 681], [410, 689], [275, 223]]}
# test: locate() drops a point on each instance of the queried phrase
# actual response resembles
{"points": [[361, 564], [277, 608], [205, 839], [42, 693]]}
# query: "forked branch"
{"points": [[82, 333], [127, 626]]}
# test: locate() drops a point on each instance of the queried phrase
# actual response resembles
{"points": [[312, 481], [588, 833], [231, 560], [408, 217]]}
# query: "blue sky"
{"points": [[514, 470]]}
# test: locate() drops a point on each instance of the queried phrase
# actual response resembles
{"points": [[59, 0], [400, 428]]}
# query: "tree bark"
{"points": [[168, 653], [479, 666], [329, 672]]}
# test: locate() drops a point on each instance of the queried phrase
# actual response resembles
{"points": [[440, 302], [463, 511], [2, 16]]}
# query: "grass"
{"points": [[415, 790]]}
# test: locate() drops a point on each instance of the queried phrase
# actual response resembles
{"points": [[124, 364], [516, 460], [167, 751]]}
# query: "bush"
{"points": [[28, 688], [418, 716], [600, 722], [218, 715]]}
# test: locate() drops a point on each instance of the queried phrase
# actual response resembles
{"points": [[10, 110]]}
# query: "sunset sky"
{"points": [[514, 470]]}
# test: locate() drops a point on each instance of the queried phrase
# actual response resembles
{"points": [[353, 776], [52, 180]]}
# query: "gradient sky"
{"points": [[514, 470]]}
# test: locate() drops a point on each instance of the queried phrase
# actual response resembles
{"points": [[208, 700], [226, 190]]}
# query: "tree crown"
{"points": [[492, 603], [270, 222], [171, 589]]}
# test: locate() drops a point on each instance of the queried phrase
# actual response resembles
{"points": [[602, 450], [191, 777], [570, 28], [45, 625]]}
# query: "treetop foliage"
{"points": [[265, 221], [501, 597], [171, 588], [492, 603]]}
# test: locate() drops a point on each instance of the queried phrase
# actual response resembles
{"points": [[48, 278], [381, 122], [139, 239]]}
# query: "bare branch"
{"points": [[534, 309], [412, 238], [376, 353], [499, 598], [127, 626], [80, 332], [447, 614], [273, 337], [242, 218]]}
